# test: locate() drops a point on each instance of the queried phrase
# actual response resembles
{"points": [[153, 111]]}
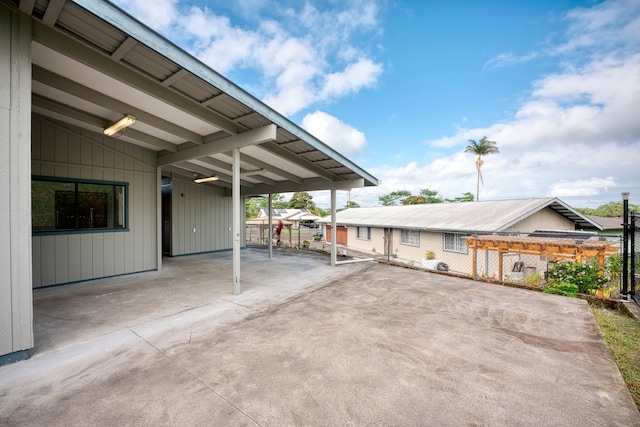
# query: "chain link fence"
{"points": [[449, 252]]}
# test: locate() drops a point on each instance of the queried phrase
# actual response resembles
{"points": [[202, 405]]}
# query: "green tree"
{"points": [[609, 210], [466, 197], [481, 148], [301, 200], [431, 196], [352, 204], [414, 200], [277, 202], [393, 198], [251, 207]]}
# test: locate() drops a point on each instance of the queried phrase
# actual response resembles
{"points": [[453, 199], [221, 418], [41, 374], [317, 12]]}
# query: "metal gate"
{"points": [[629, 254]]}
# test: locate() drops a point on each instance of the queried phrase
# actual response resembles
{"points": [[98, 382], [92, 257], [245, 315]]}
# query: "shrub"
{"points": [[586, 276], [562, 288], [613, 267]]}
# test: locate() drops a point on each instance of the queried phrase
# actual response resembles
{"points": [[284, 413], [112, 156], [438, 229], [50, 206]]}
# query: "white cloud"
{"points": [[161, 14], [335, 133], [354, 77], [581, 187], [296, 54]]}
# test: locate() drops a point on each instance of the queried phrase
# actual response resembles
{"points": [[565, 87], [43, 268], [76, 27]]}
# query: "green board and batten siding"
{"points": [[62, 151], [207, 210], [16, 306]]}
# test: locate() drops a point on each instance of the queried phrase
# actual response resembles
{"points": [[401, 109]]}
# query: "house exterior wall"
{"points": [[205, 209], [63, 151], [374, 244], [461, 262], [546, 219], [16, 302]]}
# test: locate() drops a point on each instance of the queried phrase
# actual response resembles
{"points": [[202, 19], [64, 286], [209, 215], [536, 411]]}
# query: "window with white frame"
{"points": [[363, 233], [410, 237], [455, 242]]}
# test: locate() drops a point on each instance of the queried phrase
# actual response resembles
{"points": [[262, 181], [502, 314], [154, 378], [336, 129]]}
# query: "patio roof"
{"points": [[93, 64]]}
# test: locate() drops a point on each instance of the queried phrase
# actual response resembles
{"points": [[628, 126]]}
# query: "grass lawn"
{"points": [[622, 334]]}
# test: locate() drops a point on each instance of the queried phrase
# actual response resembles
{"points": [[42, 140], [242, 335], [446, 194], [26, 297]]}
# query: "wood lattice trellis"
{"points": [[579, 250]]}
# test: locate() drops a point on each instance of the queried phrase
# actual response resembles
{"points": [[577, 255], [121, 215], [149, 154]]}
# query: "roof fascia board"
{"points": [[585, 218], [543, 204], [67, 85], [253, 137], [130, 26], [92, 120], [309, 184], [70, 47]]}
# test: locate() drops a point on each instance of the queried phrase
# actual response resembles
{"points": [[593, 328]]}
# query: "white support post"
{"points": [[270, 225], [334, 233], [159, 223], [235, 200]]}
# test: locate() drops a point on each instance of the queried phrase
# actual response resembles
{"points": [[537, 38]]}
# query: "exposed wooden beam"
{"points": [[208, 172], [254, 137], [303, 163], [124, 48], [181, 73], [27, 6], [70, 47], [67, 85], [53, 11], [98, 122], [260, 164], [209, 102], [310, 184]]}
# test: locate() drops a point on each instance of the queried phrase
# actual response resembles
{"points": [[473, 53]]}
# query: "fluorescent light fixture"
{"points": [[253, 172], [116, 127], [207, 179]]}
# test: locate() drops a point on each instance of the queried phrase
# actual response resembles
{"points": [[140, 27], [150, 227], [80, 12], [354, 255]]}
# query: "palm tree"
{"points": [[480, 149]]}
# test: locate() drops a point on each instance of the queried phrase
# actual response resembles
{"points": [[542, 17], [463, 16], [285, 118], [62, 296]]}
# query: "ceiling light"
{"points": [[116, 127], [253, 172], [207, 179]]}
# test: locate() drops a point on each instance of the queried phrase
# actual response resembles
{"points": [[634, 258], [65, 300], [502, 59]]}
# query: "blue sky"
{"points": [[401, 86]]}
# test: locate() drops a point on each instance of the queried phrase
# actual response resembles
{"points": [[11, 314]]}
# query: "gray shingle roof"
{"points": [[484, 216]]}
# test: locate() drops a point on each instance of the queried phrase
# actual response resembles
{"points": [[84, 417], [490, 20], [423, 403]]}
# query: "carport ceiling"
{"points": [[93, 63]]}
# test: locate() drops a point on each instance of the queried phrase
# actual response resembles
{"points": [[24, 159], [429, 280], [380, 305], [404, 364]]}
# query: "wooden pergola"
{"points": [[579, 250]]}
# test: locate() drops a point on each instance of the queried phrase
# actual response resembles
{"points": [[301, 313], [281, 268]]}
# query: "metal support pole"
{"points": [[270, 229], [334, 233], [235, 200], [632, 238], [625, 246]]}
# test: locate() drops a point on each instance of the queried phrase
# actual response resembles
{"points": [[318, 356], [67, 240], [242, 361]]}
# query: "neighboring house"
{"points": [[297, 217], [78, 202], [409, 232]]}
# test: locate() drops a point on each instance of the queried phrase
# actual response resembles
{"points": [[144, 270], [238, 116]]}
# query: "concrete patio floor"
{"points": [[307, 344]]}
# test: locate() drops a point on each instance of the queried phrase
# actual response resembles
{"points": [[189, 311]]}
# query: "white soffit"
{"points": [[89, 77]]}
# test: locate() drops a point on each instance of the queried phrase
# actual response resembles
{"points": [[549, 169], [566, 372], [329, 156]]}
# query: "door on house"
{"points": [[388, 242], [341, 235], [166, 216]]}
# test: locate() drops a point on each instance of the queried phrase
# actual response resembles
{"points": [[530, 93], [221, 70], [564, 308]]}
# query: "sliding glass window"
{"points": [[66, 205]]}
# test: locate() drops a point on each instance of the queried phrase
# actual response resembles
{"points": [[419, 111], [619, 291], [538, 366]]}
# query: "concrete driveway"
{"points": [[307, 344]]}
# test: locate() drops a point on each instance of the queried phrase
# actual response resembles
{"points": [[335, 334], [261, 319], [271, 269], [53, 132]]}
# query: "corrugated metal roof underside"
{"points": [[202, 92], [483, 216]]}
